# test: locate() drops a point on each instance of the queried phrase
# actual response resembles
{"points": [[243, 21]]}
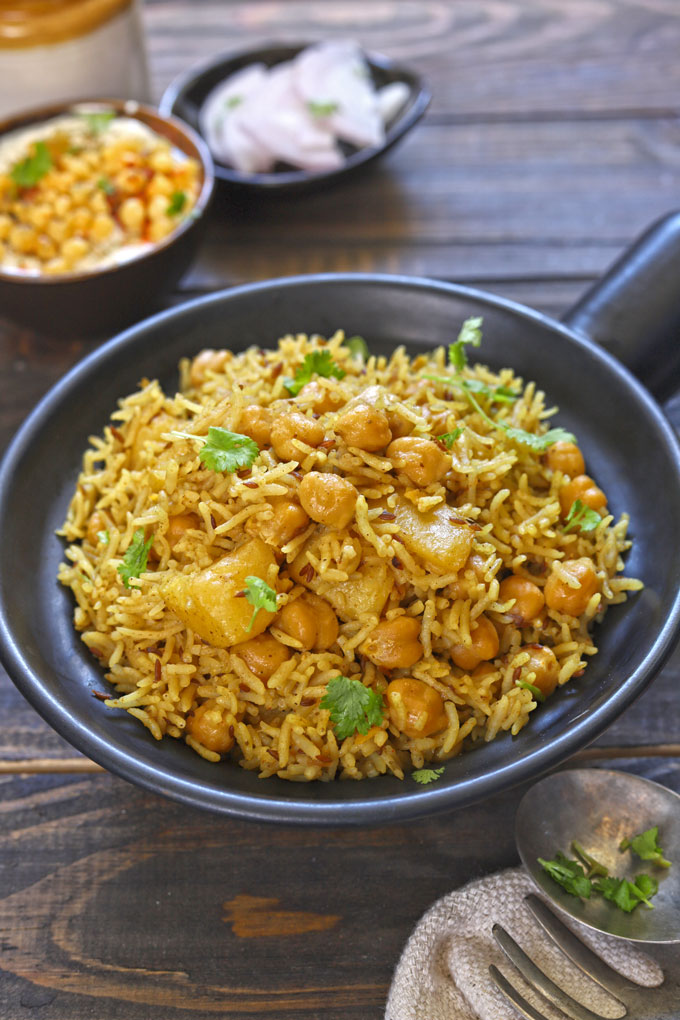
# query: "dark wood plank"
{"points": [[115, 903], [510, 60]]}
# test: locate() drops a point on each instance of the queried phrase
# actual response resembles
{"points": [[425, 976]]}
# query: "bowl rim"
{"points": [[134, 109], [419, 101], [157, 775]]}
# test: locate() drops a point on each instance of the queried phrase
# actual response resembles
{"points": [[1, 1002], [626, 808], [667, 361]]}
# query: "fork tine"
{"points": [[577, 951], [512, 995], [540, 981]]}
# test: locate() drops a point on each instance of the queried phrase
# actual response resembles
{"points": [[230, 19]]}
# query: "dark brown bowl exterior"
{"points": [[100, 301], [185, 96]]}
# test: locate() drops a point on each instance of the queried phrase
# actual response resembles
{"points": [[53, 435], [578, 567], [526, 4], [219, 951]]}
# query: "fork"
{"points": [[641, 1003]]}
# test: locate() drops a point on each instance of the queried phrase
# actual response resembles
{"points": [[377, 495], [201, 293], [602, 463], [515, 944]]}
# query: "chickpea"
{"points": [[294, 425], [102, 226], [584, 488], [256, 422], [207, 725], [364, 427], [415, 708], [98, 522], [23, 239], [5, 226], [161, 161], [462, 586], [484, 646], [158, 207], [207, 361], [80, 221], [262, 655], [311, 621], [565, 457], [483, 670], [288, 521], [131, 214], [178, 525], [320, 398], [160, 228], [565, 599], [529, 600], [399, 426], [328, 499], [57, 230], [420, 459], [45, 248], [394, 644], [545, 667], [161, 185], [74, 249]]}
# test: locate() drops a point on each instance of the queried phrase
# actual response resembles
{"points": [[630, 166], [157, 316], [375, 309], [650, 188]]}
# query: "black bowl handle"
{"points": [[634, 310]]}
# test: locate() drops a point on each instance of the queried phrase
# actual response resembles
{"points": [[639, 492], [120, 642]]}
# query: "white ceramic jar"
{"points": [[72, 49]]}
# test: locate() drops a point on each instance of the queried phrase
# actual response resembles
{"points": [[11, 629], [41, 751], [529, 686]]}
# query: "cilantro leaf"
{"points": [[539, 443], [569, 874], [134, 560], [260, 595], [425, 776], [357, 347], [177, 202], [106, 186], [29, 171], [223, 450], [536, 691], [353, 707], [322, 109], [98, 122], [315, 363], [449, 438], [470, 333], [233, 101], [594, 866], [626, 895], [645, 845], [581, 516], [104, 537]]}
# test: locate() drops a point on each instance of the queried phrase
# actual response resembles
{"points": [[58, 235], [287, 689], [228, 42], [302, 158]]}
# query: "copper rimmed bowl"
{"points": [[98, 301], [622, 430]]}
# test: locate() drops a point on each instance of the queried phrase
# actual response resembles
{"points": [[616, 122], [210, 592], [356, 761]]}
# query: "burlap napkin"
{"points": [[443, 973]]}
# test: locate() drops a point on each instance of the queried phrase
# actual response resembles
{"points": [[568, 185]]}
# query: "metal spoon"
{"points": [[598, 809]]}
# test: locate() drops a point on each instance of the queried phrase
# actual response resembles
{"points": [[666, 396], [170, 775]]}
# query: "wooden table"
{"points": [[552, 140]]}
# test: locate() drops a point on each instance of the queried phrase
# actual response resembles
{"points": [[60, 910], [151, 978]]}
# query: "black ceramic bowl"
{"points": [[625, 438], [99, 301], [186, 95]]}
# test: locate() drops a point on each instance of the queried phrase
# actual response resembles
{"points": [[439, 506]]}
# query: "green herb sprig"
{"points": [[582, 517], [222, 450], [135, 558], [427, 776], [177, 202], [449, 438], [470, 334], [315, 363], [357, 347], [97, 122], [354, 708], [261, 596], [29, 171], [646, 846], [322, 109]]}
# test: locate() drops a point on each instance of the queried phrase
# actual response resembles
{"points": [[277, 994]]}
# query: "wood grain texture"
{"points": [[483, 59], [115, 903], [553, 138]]}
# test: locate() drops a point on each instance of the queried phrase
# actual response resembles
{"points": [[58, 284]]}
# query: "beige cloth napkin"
{"points": [[443, 973]]}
